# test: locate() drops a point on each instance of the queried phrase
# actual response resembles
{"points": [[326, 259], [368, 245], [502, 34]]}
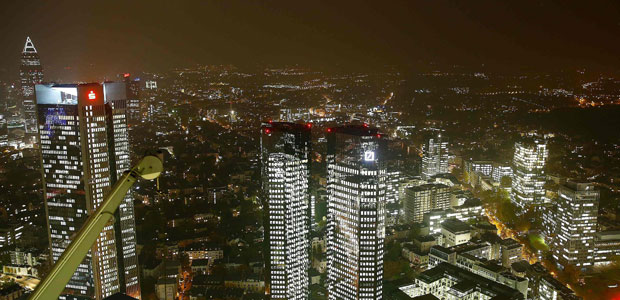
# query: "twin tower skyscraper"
{"points": [[356, 185], [84, 148], [81, 131]]}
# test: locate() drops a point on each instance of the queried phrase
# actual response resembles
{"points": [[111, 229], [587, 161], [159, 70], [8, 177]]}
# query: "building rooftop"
{"points": [[287, 126], [578, 186], [608, 235], [471, 202], [203, 246], [520, 266], [358, 130], [464, 286], [455, 226], [166, 280], [200, 262], [557, 285], [428, 186], [425, 297], [442, 249], [484, 285], [510, 243], [425, 238]]}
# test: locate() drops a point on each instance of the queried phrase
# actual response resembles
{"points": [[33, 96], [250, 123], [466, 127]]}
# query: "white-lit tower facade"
{"points": [[576, 221], [356, 212], [285, 157], [434, 156], [30, 73], [528, 167], [84, 149]]}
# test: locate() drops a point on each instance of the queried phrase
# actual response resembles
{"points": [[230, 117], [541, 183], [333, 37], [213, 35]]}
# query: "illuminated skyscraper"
{"points": [[576, 215], [420, 200], [435, 156], [356, 212], [133, 97], [84, 149], [30, 73], [285, 150], [529, 174]]}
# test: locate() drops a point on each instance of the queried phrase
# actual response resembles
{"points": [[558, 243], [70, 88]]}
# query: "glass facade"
{"points": [[30, 73], [285, 150], [84, 148], [529, 175], [356, 187], [435, 156], [576, 215]]}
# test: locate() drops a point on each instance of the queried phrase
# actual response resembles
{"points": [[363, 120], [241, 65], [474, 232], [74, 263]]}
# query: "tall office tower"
{"points": [[483, 167], [84, 150], [30, 73], [529, 174], [133, 97], [285, 151], [424, 198], [434, 156], [500, 171], [355, 212], [549, 223], [392, 202], [577, 213]]}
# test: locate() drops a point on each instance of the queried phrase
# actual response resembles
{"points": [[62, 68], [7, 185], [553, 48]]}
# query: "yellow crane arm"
{"points": [[54, 283]]}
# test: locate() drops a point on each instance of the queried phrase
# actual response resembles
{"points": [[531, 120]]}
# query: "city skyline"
{"points": [[325, 150]]}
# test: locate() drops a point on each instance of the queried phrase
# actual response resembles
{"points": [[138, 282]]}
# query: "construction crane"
{"points": [[149, 168]]}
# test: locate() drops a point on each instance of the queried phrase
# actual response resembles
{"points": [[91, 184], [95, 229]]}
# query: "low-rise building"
{"points": [[167, 288], [20, 270], [439, 254], [511, 252], [413, 254], [200, 266], [10, 234], [208, 251], [152, 268], [606, 247], [471, 209], [425, 242], [446, 281], [550, 288], [11, 292], [251, 283], [28, 257], [455, 232]]}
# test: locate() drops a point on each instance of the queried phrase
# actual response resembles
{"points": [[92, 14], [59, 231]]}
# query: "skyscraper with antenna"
{"points": [[30, 73]]}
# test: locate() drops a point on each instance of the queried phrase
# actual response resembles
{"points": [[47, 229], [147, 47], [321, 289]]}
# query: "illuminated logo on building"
{"points": [[369, 156], [91, 95]]}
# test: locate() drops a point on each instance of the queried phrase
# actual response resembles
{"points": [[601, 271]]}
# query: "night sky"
{"points": [[87, 40]]}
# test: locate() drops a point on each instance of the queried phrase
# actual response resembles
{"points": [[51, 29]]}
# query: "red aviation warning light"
{"points": [[329, 130], [308, 125], [92, 95], [267, 131]]}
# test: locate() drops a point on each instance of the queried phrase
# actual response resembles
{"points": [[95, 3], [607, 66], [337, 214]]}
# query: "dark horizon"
{"points": [[78, 41]]}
